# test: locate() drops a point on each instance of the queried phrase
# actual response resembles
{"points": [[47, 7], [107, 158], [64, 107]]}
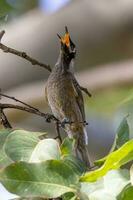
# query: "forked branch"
{"points": [[46, 116], [22, 54]]}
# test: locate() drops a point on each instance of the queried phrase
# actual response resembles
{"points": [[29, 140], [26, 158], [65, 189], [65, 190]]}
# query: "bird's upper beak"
{"points": [[66, 39]]}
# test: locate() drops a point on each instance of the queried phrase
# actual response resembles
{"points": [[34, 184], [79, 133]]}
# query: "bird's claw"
{"points": [[48, 118], [64, 122]]}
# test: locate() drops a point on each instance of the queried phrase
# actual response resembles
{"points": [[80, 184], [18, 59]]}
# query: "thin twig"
{"points": [[29, 108], [46, 116], [24, 55], [4, 120], [1, 35], [38, 112], [86, 91], [75, 82], [57, 128], [21, 54], [17, 100]]}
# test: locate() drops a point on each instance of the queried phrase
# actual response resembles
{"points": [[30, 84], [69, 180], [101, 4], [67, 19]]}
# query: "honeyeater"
{"points": [[65, 97]]}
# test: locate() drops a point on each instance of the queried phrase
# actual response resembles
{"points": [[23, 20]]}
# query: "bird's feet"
{"points": [[50, 117], [64, 122]]}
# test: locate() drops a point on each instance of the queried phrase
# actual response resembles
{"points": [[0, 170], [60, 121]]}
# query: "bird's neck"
{"points": [[63, 63]]}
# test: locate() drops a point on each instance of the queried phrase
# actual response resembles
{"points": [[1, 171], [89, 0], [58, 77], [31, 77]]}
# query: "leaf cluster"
{"points": [[35, 168]]}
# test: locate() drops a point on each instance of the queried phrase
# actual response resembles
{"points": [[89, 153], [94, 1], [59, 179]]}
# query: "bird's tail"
{"points": [[85, 136], [82, 148], [81, 145]]}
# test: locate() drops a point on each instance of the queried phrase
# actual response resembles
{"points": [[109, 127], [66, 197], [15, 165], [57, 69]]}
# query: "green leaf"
{"points": [[107, 187], [3, 135], [100, 162], [67, 147], [113, 161], [75, 164], [126, 194], [67, 152], [69, 196], [47, 149], [122, 136], [131, 175], [4, 160], [49, 179], [26, 146]]}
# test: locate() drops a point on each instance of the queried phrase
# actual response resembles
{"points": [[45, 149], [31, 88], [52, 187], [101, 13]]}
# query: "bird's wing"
{"points": [[79, 96], [80, 103]]}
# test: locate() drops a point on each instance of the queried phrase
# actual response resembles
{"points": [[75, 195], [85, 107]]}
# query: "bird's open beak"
{"points": [[66, 39], [67, 46]]}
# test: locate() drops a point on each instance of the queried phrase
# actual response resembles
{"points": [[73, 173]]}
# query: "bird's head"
{"points": [[68, 48]]}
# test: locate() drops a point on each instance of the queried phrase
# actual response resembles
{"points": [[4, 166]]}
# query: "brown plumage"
{"points": [[65, 97]]}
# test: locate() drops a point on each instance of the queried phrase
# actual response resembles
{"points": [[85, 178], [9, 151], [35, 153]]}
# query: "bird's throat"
{"points": [[63, 62]]}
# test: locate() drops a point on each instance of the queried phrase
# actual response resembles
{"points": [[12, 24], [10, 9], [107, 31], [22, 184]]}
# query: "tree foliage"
{"points": [[35, 168]]}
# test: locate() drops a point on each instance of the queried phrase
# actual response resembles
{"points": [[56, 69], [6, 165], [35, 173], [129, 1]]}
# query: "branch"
{"points": [[48, 117], [21, 54], [33, 110], [4, 120], [75, 82], [29, 108], [57, 128], [17, 100], [85, 91], [1, 35]]}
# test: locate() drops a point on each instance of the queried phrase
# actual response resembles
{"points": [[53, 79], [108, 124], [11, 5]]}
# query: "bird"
{"points": [[64, 96]]}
